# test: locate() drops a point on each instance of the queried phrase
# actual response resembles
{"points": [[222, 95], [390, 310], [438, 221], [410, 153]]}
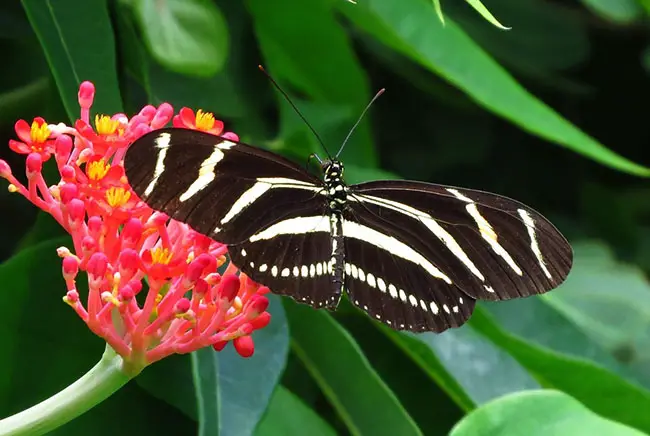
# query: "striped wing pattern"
{"points": [[413, 255]]}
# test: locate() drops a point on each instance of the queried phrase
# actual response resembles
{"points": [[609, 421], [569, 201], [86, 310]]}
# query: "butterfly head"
{"points": [[332, 170]]}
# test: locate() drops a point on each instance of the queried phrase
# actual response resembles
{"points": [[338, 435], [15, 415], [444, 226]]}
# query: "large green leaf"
{"points": [[44, 347], [609, 301], [77, 39], [232, 392], [304, 46], [186, 36], [600, 389], [361, 398], [287, 415], [538, 413], [410, 27], [480, 371]]}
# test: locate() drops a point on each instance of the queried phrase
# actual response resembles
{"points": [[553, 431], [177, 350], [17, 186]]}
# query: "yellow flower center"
{"points": [[204, 120], [161, 255], [98, 169], [105, 125], [117, 197], [39, 132]]}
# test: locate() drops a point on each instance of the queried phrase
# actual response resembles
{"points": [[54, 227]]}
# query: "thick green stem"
{"points": [[94, 387]]}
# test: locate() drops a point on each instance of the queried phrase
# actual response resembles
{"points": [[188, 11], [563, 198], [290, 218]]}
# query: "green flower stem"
{"points": [[106, 377]]}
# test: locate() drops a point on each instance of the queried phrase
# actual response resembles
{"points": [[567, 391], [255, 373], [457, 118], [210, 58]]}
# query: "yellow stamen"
{"points": [[12, 188], [97, 170], [161, 256], [105, 125], [39, 132], [204, 120], [117, 197]]}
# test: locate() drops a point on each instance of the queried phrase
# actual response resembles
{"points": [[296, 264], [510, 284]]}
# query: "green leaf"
{"points": [[345, 375], [304, 46], [597, 387], [287, 415], [37, 328], [410, 27], [232, 392], [77, 39], [608, 300], [618, 11], [479, 371], [485, 13], [186, 36], [538, 413]]}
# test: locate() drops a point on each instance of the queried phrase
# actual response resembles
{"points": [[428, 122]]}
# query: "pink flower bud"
{"points": [[244, 345], [261, 321], [132, 231], [67, 173], [218, 346], [76, 211], [128, 261], [88, 246], [63, 147], [72, 296], [230, 136], [67, 192], [182, 306], [34, 164], [201, 287], [5, 170], [126, 293], [86, 94], [147, 112], [70, 267], [163, 116], [95, 226], [257, 306], [97, 266], [229, 287]]}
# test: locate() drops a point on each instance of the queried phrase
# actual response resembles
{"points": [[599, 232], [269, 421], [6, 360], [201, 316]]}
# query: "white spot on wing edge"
{"points": [[534, 246]]}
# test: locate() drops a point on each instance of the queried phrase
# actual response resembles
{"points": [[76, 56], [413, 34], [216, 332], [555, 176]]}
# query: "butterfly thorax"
{"points": [[335, 187]]}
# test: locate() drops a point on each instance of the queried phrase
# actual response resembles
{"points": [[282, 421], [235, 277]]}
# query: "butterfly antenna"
{"points": [[286, 97], [379, 93]]}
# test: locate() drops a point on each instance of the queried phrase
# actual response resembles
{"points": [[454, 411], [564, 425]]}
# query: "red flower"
{"points": [[119, 242], [201, 121], [33, 139]]}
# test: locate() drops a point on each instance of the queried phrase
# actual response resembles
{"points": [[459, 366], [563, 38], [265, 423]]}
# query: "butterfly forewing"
{"points": [[213, 183], [491, 247], [413, 255]]}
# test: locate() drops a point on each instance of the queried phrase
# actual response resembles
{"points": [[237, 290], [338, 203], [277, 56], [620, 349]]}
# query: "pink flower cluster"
{"points": [[153, 285]]}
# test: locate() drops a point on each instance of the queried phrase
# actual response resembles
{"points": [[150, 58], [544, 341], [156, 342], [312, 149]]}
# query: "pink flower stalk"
{"points": [[118, 241]]}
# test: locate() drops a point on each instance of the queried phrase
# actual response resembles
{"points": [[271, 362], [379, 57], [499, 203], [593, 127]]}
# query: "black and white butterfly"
{"points": [[413, 255]]}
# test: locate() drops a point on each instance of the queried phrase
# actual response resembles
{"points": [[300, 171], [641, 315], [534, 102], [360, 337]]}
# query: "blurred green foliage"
{"points": [[466, 104]]}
